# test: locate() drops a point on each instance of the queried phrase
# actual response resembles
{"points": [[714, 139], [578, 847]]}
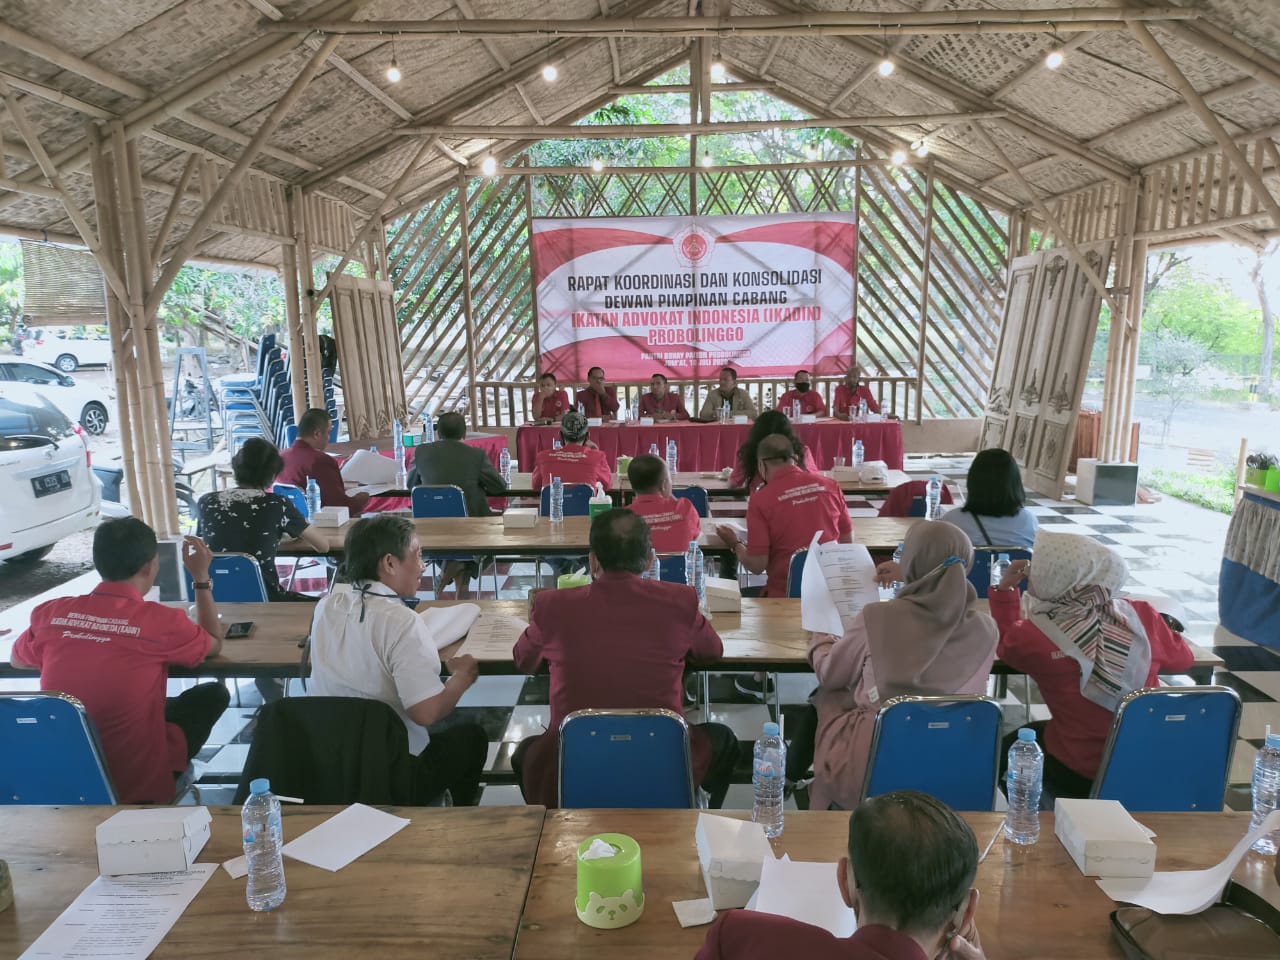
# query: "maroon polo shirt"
{"points": [[671, 403], [784, 514], [303, 461]]}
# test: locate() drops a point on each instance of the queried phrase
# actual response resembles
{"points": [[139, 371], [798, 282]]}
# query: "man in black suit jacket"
{"points": [[450, 461]]}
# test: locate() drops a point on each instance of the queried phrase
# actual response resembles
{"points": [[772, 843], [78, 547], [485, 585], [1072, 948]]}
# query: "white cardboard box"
{"points": [[723, 595], [331, 517], [808, 418], [595, 421], [516, 518], [740, 418], [730, 852], [152, 841], [1102, 839], [646, 421]]}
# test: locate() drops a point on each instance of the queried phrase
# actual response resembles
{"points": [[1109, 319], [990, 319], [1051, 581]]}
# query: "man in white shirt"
{"points": [[365, 642]]}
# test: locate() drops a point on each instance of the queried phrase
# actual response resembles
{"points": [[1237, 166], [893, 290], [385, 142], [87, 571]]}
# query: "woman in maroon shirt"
{"points": [[1084, 646]]}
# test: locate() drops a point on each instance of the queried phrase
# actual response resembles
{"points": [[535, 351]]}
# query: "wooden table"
{"points": [[1034, 901], [449, 885], [487, 537]]}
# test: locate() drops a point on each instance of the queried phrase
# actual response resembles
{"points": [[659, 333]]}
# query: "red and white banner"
{"points": [[685, 296]]}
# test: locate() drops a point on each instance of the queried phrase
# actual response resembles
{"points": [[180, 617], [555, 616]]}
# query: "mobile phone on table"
{"points": [[238, 631]]}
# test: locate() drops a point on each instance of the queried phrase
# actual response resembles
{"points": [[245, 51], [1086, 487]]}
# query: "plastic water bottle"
{"points": [[428, 430], [397, 442], [862, 409], [373, 448], [695, 573], [1266, 790], [933, 499], [557, 500], [556, 444], [313, 498], [673, 458], [635, 409], [582, 409], [726, 413], [1026, 773], [768, 773], [999, 566], [504, 465], [653, 450], [795, 409], [897, 558], [263, 838], [654, 570], [859, 453]]}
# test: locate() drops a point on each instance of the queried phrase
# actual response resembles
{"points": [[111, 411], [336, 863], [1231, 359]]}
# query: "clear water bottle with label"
{"points": [[397, 442], [859, 453], [582, 409], [504, 465], [999, 567], [1025, 777], [654, 570], [263, 837], [635, 409], [428, 430], [653, 450], [768, 776], [695, 573], [862, 410], [673, 458], [933, 499], [1266, 790], [897, 558], [313, 498], [726, 412], [373, 448], [557, 500], [795, 409], [556, 444]]}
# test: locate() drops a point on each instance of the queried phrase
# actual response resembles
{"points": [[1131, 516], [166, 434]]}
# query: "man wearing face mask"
{"points": [[909, 878], [811, 401]]}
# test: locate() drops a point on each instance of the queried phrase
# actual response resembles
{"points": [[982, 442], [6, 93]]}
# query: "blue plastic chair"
{"points": [[671, 568], [697, 496], [1190, 730], [236, 577], [442, 501], [51, 752], [980, 573], [638, 759], [295, 495], [577, 497], [947, 747], [290, 434], [795, 572]]}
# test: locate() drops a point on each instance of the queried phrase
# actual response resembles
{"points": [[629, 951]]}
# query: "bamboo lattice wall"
{"points": [[921, 242]]}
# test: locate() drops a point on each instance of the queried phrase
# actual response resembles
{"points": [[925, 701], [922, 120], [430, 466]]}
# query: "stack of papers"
{"points": [[449, 624], [808, 892], [839, 580], [365, 466]]}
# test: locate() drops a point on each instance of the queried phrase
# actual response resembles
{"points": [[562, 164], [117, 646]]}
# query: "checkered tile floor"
{"points": [[1172, 549]]}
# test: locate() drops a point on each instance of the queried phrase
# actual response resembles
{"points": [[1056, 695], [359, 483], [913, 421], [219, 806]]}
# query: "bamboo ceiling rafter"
{"points": [[870, 69]]}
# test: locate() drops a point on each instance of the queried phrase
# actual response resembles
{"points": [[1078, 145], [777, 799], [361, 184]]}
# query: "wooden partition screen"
{"points": [[364, 326]]}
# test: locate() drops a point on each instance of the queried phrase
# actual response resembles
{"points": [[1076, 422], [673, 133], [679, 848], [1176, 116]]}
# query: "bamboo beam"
{"points": [[171, 215], [233, 177], [1230, 48], [32, 189], [870, 69], [813, 23], [293, 317], [1247, 85], [1035, 67], [1208, 118]]}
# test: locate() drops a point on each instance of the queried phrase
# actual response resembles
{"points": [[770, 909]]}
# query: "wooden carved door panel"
{"points": [[364, 326], [997, 427]]}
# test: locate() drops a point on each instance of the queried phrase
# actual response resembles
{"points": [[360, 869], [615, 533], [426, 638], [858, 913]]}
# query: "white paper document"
{"points": [[120, 918], [1186, 891], [365, 466], [344, 837], [808, 892], [497, 628], [839, 579], [449, 624]]}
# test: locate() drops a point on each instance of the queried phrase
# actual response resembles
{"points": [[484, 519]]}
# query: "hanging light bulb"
{"points": [[717, 72], [549, 73], [597, 164], [1055, 58], [811, 151], [920, 148], [899, 157], [489, 165], [886, 67], [393, 71], [706, 159]]}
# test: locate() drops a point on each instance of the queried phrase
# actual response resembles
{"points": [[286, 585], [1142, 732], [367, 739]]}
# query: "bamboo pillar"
{"points": [[1115, 388], [926, 267], [292, 313], [464, 220], [309, 308]]}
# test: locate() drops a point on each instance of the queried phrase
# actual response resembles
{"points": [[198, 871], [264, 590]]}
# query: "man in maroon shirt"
{"points": [[654, 630], [810, 401], [597, 400], [909, 878], [307, 459], [660, 403], [673, 521], [111, 650]]}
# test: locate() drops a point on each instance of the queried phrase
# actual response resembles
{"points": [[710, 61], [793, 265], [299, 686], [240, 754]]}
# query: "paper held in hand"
{"points": [[839, 579], [449, 624]]}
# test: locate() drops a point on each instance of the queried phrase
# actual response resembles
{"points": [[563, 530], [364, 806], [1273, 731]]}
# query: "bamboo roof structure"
{"points": [[203, 87]]}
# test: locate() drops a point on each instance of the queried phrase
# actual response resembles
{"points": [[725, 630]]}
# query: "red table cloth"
{"points": [[713, 446]]}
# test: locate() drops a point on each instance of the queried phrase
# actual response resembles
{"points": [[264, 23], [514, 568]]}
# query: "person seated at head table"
{"points": [[810, 400], [770, 422], [112, 650], [620, 642], [550, 402], [673, 521], [728, 391], [994, 512], [661, 403], [249, 518], [577, 461], [596, 399], [1073, 609], [450, 462], [783, 515], [844, 405], [929, 641], [365, 642], [306, 459], [908, 875]]}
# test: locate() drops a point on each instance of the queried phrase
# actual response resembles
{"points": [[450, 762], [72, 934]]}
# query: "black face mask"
{"points": [[802, 388]]}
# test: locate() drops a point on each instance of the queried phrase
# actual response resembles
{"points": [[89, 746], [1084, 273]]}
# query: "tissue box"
{"points": [[1102, 839], [808, 418], [723, 595], [646, 421], [152, 841], [740, 418], [846, 474], [331, 517], [595, 421], [517, 518], [731, 853]]}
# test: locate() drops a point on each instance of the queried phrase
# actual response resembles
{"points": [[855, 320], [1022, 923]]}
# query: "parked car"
{"points": [[50, 491], [81, 402], [67, 348]]}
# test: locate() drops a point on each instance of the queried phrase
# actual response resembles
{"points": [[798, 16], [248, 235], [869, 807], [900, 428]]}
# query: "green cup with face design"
{"points": [[609, 891]]}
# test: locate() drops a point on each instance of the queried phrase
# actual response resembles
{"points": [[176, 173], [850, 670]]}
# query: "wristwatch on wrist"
{"points": [[202, 584]]}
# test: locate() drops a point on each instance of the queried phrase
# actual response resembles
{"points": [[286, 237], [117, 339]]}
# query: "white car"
{"points": [[66, 351], [88, 404], [50, 491]]}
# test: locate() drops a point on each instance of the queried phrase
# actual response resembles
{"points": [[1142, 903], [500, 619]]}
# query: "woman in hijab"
{"points": [[1083, 646], [930, 641]]}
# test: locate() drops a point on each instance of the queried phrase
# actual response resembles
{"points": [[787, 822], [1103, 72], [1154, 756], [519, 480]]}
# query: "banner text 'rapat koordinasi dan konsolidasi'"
{"points": [[685, 296]]}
